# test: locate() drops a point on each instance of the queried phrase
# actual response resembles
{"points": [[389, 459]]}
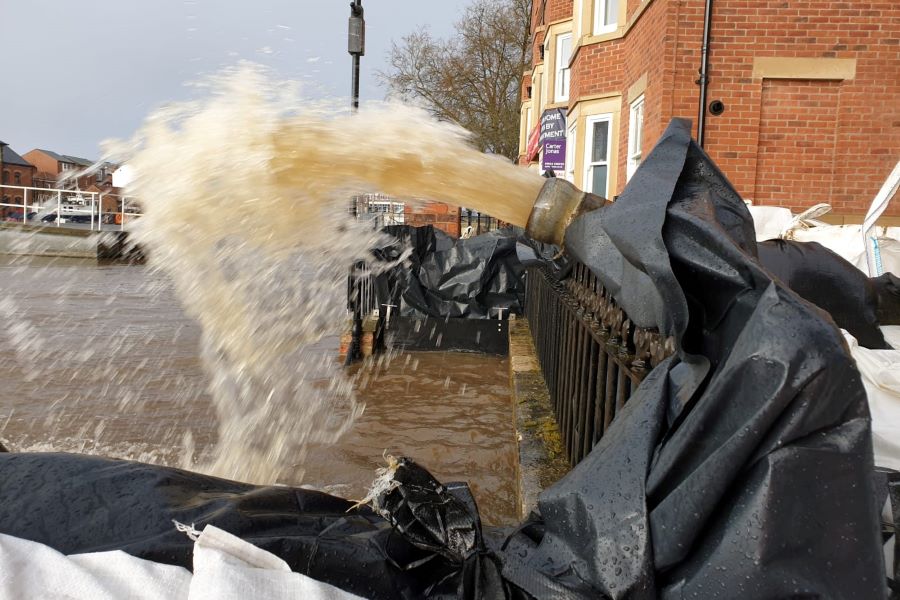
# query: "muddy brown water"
{"points": [[103, 360]]}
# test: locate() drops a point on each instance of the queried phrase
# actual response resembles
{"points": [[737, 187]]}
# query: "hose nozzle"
{"points": [[558, 204]]}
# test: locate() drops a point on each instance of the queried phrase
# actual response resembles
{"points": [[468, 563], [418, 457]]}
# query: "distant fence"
{"points": [[62, 207], [472, 223], [379, 209], [592, 357]]}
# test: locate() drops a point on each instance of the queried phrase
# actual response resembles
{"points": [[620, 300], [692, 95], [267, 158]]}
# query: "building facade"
{"points": [[15, 171], [802, 98]]}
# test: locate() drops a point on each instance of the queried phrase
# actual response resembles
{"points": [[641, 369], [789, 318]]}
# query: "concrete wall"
{"points": [[29, 241]]}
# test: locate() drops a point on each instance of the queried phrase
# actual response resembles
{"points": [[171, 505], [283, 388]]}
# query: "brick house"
{"points": [[443, 216], [15, 171], [51, 167], [801, 103]]}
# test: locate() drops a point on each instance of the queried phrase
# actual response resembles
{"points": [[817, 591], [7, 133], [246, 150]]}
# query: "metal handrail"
{"points": [[592, 356], [94, 208]]}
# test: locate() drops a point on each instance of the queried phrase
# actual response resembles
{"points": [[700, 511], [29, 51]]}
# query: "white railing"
{"points": [[63, 205]]}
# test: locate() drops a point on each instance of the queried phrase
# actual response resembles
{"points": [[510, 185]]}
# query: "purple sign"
{"points": [[554, 156], [553, 139]]}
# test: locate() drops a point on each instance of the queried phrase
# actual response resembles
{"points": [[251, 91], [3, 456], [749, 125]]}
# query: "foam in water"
{"points": [[244, 197]]}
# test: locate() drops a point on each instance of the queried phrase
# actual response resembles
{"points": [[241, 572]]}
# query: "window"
{"points": [[570, 154], [563, 54], [64, 166], [596, 155], [5, 176], [635, 133], [17, 178], [606, 14]]}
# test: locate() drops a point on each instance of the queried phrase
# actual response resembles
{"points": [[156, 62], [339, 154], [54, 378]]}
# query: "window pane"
{"points": [[565, 49], [611, 12], [601, 134], [598, 180]]}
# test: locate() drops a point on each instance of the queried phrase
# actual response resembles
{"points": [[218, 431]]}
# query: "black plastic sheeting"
{"points": [[741, 468], [77, 504], [467, 278], [830, 282], [887, 294]]}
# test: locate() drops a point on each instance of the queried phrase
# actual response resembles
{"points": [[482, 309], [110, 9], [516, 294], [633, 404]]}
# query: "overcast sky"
{"points": [[75, 73]]}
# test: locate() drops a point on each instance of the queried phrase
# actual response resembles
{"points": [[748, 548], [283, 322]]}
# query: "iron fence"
{"points": [[472, 223], [592, 357]]}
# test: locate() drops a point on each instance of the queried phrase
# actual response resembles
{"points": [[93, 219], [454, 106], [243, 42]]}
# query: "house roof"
{"points": [[84, 162], [11, 157]]}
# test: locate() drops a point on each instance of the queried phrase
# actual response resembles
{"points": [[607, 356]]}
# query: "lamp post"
{"points": [[356, 46]]}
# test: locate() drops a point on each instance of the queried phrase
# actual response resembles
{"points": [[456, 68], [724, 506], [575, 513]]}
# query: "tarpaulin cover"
{"points": [[469, 278], [741, 467], [833, 284], [77, 504], [887, 292]]}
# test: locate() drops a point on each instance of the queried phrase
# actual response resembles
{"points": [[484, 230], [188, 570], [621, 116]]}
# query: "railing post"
{"points": [[58, 207], [24, 205]]}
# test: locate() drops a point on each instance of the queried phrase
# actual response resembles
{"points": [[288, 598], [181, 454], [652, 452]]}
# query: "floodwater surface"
{"points": [[103, 360]]}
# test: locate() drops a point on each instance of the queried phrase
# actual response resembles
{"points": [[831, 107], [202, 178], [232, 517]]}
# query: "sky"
{"points": [[76, 73]]}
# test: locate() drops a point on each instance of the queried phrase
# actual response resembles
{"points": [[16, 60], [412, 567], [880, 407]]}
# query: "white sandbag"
{"points": [[33, 571], [225, 568], [228, 568], [844, 240], [770, 221], [880, 370]]}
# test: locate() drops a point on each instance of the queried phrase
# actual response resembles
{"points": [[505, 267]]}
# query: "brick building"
{"points": [[802, 104], [443, 216], [14, 171], [52, 167], [53, 170]]}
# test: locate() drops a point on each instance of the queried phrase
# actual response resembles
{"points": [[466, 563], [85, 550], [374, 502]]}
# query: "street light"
{"points": [[356, 46]]}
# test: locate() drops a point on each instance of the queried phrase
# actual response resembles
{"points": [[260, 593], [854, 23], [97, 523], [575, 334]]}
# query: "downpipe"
{"points": [[704, 73]]}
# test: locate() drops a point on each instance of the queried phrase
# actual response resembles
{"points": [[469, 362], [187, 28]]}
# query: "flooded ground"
{"points": [[102, 359]]}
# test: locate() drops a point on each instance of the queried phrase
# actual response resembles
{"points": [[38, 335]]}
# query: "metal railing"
{"points": [[472, 223], [592, 357], [24, 204]]}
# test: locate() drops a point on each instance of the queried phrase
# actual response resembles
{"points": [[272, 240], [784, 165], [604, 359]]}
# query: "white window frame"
{"points": [[604, 23], [588, 151], [635, 136], [561, 72], [570, 152]]}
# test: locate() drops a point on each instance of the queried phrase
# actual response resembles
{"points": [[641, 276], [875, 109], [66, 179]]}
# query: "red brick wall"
{"points": [[863, 128], [442, 216], [12, 195], [796, 128], [839, 138]]}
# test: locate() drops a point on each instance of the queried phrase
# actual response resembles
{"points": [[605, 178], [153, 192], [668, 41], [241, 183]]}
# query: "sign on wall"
{"points": [[553, 139]]}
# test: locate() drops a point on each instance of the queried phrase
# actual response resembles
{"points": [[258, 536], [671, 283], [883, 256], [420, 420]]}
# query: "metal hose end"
{"points": [[557, 205]]}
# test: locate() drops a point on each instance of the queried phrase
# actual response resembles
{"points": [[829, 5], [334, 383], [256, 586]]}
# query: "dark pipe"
{"points": [[704, 73]]}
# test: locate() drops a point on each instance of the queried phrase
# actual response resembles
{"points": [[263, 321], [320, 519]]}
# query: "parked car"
{"points": [[51, 218]]}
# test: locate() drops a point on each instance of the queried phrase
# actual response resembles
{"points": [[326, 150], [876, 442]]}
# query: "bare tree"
{"points": [[473, 78]]}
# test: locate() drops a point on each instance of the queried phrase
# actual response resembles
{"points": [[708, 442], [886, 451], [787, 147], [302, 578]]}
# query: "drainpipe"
{"points": [[704, 73]]}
